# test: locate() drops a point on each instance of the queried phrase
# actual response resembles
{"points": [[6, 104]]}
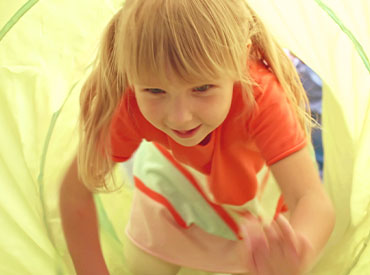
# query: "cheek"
{"points": [[215, 109], [152, 110]]}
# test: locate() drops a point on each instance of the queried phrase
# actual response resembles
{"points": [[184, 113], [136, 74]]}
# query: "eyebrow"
{"points": [[200, 84]]}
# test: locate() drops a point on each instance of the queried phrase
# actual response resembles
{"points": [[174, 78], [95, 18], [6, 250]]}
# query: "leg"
{"points": [[141, 263]]}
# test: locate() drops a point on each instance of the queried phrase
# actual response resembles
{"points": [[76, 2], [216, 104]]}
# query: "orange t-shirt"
{"points": [[237, 150]]}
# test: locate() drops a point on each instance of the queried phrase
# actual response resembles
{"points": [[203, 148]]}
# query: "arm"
{"points": [[291, 247], [312, 213], [80, 225]]}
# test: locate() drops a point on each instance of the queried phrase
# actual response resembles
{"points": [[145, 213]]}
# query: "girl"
{"points": [[219, 106]]}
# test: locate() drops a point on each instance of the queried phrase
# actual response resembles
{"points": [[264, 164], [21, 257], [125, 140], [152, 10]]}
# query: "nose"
{"points": [[179, 114]]}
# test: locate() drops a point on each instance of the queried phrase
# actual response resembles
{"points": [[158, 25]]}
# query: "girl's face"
{"points": [[185, 112]]}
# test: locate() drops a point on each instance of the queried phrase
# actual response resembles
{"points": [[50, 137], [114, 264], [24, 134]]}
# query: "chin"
{"points": [[187, 143]]}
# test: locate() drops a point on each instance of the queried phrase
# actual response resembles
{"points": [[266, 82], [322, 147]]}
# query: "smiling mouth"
{"points": [[186, 133]]}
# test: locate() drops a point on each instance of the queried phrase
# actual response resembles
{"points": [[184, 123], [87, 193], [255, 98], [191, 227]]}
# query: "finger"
{"points": [[283, 253], [255, 235], [288, 232], [292, 247], [281, 259], [276, 243], [252, 265], [262, 263], [272, 234], [255, 240], [249, 255]]}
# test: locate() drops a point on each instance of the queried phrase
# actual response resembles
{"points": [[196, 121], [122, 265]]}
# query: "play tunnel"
{"points": [[46, 49]]}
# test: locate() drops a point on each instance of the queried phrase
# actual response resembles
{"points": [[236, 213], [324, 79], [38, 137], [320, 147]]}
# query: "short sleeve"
{"points": [[125, 137], [274, 127]]}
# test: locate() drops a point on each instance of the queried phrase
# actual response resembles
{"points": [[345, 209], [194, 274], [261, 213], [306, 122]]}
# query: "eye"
{"points": [[202, 88], [154, 91]]}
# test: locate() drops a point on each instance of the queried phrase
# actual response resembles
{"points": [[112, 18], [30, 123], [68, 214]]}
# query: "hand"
{"points": [[276, 249]]}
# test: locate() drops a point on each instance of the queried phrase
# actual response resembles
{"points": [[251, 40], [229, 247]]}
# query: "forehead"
{"points": [[177, 82], [169, 77]]}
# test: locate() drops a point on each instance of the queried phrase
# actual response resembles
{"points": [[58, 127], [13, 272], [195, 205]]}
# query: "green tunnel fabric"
{"points": [[44, 59], [317, 39]]}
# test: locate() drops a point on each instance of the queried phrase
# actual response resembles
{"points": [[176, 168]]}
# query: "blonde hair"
{"points": [[197, 40]]}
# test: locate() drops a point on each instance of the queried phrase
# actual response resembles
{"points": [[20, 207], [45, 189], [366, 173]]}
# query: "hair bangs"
{"points": [[182, 38]]}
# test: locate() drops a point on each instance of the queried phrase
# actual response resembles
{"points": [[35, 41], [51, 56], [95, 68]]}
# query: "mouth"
{"points": [[186, 133]]}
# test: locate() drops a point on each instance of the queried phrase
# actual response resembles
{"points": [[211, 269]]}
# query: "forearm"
{"points": [[311, 211], [80, 225], [314, 218], [80, 228]]}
